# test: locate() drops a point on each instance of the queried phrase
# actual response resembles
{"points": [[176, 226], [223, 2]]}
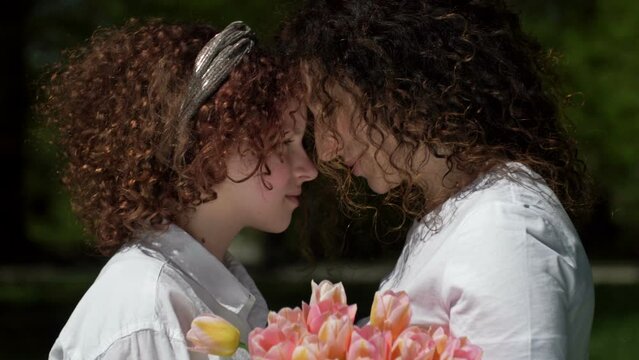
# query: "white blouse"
{"points": [[505, 268], [144, 299]]}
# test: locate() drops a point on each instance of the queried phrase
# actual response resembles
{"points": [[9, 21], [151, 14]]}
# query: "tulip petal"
{"points": [[213, 335]]}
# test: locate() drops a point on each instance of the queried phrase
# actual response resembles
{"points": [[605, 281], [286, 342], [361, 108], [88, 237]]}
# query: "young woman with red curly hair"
{"points": [[175, 138], [445, 108]]}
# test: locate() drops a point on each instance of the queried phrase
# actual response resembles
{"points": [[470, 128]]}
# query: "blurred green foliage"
{"points": [[598, 63], [600, 67]]}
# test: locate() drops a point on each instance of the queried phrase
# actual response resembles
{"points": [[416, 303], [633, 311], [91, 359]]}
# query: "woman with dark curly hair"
{"points": [[175, 138], [446, 108]]}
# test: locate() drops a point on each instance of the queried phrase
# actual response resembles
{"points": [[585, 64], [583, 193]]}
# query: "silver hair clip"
{"points": [[213, 65]]}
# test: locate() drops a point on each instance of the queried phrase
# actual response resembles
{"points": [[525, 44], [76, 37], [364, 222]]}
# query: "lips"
{"points": [[355, 169], [354, 165], [294, 198], [350, 163]]}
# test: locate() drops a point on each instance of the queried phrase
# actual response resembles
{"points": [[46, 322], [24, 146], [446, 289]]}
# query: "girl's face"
{"points": [[267, 202]]}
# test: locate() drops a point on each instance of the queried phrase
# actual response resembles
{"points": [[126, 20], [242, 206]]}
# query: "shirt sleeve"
{"points": [[150, 344], [505, 288]]}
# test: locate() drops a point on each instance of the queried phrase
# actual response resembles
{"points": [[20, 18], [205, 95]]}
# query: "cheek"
{"points": [[381, 165], [280, 175]]}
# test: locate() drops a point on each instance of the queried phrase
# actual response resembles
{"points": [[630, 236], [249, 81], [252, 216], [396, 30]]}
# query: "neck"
{"points": [[215, 225], [440, 182]]}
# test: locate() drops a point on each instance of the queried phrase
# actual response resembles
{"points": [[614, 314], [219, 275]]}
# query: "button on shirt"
{"points": [[144, 299], [504, 267]]}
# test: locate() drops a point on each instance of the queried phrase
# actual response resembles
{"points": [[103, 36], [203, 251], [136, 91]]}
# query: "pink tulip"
{"points": [[335, 336], [414, 343], [461, 349], [323, 329], [270, 344], [317, 313], [289, 320], [211, 334], [369, 342], [327, 291], [391, 312], [286, 315], [440, 337], [310, 349]]}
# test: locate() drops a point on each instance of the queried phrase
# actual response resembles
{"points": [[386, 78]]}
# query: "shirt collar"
{"points": [[230, 285]]}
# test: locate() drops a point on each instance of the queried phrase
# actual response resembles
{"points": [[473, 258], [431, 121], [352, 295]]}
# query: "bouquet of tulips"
{"points": [[324, 329]]}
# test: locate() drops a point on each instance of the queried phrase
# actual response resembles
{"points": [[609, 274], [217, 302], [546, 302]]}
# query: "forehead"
{"points": [[320, 86]]}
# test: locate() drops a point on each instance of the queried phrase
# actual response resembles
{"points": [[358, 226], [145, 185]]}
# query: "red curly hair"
{"points": [[115, 103]]}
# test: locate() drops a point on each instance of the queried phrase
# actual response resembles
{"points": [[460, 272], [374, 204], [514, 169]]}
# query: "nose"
{"points": [[305, 169]]}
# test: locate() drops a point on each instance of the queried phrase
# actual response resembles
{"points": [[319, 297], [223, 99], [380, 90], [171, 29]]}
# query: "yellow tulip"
{"points": [[213, 335]]}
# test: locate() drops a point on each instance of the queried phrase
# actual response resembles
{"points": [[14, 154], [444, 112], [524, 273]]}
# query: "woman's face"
{"points": [[267, 202], [367, 152]]}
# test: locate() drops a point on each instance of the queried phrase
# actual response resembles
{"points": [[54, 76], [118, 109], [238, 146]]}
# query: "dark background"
{"points": [[46, 263]]}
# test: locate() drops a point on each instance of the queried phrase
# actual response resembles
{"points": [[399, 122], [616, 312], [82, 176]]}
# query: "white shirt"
{"points": [[506, 269], [144, 299]]}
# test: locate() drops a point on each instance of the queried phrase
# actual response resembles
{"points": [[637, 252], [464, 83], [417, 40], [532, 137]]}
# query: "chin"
{"points": [[276, 227], [280, 230], [379, 188]]}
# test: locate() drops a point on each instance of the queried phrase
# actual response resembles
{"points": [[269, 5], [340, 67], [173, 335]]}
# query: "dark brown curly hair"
{"points": [[115, 102], [457, 76]]}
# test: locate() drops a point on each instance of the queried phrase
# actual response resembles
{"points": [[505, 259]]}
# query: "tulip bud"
{"points": [[327, 291], [462, 349], [335, 335], [213, 335], [414, 343], [390, 312], [310, 349], [271, 343], [369, 342]]}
